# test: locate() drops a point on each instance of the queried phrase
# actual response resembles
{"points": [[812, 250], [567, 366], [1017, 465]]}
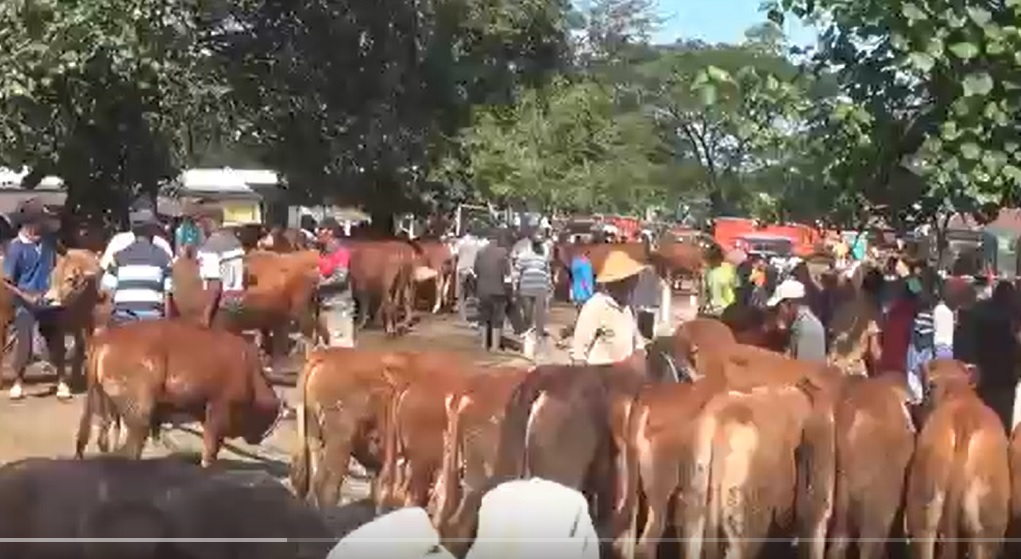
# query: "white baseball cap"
{"points": [[788, 289]]}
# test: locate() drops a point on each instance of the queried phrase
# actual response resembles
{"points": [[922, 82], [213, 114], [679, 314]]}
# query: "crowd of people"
{"points": [[864, 317], [137, 276], [867, 317], [500, 279]]}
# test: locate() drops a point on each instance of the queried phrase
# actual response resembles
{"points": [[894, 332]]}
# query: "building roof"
{"points": [[226, 182]]}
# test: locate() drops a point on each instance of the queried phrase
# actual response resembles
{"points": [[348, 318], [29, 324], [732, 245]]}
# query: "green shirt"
{"points": [[720, 283]]}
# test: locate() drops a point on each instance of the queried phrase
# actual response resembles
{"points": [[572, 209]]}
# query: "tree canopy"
{"points": [[905, 108]]}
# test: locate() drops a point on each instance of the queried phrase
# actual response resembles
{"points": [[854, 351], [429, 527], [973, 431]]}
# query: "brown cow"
{"points": [[281, 290], [668, 452], [150, 372], [1014, 529], [74, 286], [875, 441], [384, 270], [565, 424], [417, 416], [279, 239], [437, 257], [959, 479], [676, 260], [343, 398], [376, 406], [470, 443]]}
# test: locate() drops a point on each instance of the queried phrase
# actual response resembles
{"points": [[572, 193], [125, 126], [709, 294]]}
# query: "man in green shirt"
{"points": [[719, 284]]}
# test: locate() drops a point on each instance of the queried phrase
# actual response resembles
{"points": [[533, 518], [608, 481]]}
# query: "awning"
{"points": [[10, 198]]}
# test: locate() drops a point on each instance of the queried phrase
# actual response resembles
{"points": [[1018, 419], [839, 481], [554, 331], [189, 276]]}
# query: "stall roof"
{"points": [[50, 190], [227, 183]]}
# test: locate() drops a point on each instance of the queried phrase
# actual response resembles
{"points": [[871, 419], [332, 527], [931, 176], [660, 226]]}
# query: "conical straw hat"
{"points": [[617, 266]]}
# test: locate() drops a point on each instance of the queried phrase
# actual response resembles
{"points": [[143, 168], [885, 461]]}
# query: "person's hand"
{"points": [[33, 298]]}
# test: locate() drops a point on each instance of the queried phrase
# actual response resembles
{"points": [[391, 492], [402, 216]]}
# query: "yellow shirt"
{"points": [[721, 282]]}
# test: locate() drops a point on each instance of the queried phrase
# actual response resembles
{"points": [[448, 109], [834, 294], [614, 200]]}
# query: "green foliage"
{"points": [[349, 100], [563, 147], [96, 92], [354, 101], [928, 118], [731, 113]]}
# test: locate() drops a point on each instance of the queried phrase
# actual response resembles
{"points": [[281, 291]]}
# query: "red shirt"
{"points": [[330, 262], [896, 336]]}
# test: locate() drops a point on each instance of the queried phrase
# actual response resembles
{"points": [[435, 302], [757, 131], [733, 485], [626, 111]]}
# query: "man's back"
{"points": [[491, 270], [221, 258], [122, 240], [582, 279], [467, 251], [141, 273], [808, 338]]}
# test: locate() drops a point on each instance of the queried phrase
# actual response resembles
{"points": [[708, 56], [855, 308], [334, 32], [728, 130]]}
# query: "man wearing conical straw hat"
{"points": [[606, 331]]}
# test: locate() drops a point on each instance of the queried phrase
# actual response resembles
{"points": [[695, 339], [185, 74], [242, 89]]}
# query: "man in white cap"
{"points": [[403, 534], [807, 337], [534, 518]]}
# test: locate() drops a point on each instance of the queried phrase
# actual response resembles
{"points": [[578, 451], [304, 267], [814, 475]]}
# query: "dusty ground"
{"points": [[39, 425]]}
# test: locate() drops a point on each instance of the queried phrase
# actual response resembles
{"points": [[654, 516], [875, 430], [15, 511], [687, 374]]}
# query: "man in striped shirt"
{"points": [[532, 269], [139, 277], [221, 267]]}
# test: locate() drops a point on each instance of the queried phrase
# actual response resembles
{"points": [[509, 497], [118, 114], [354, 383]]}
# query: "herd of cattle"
{"points": [[752, 446], [281, 285], [755, 446]]}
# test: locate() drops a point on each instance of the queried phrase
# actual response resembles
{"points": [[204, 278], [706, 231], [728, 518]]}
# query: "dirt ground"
{"points": [[41, 426]]}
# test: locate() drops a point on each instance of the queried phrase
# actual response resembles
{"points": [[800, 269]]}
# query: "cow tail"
{"points": [[696, 483], [510, 458], [447, 482], [951, 520], [386, 482], [627, 513], [816, 463], [300, 468], [714, 497]]}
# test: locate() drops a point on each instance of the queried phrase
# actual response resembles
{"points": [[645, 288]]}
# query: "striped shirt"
{"points": [[139, 277], [923, 329], [533, 273], [121, 240], [221, 257]]}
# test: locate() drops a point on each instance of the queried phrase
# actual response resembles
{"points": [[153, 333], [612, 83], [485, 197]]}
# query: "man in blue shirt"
{"points": [[140, 277], [582, 280], [28, 264]]}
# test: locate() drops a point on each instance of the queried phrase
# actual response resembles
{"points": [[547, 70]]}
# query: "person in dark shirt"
{"points": [[996, 351], [28, 264], [493, 279], [645, 300]]}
